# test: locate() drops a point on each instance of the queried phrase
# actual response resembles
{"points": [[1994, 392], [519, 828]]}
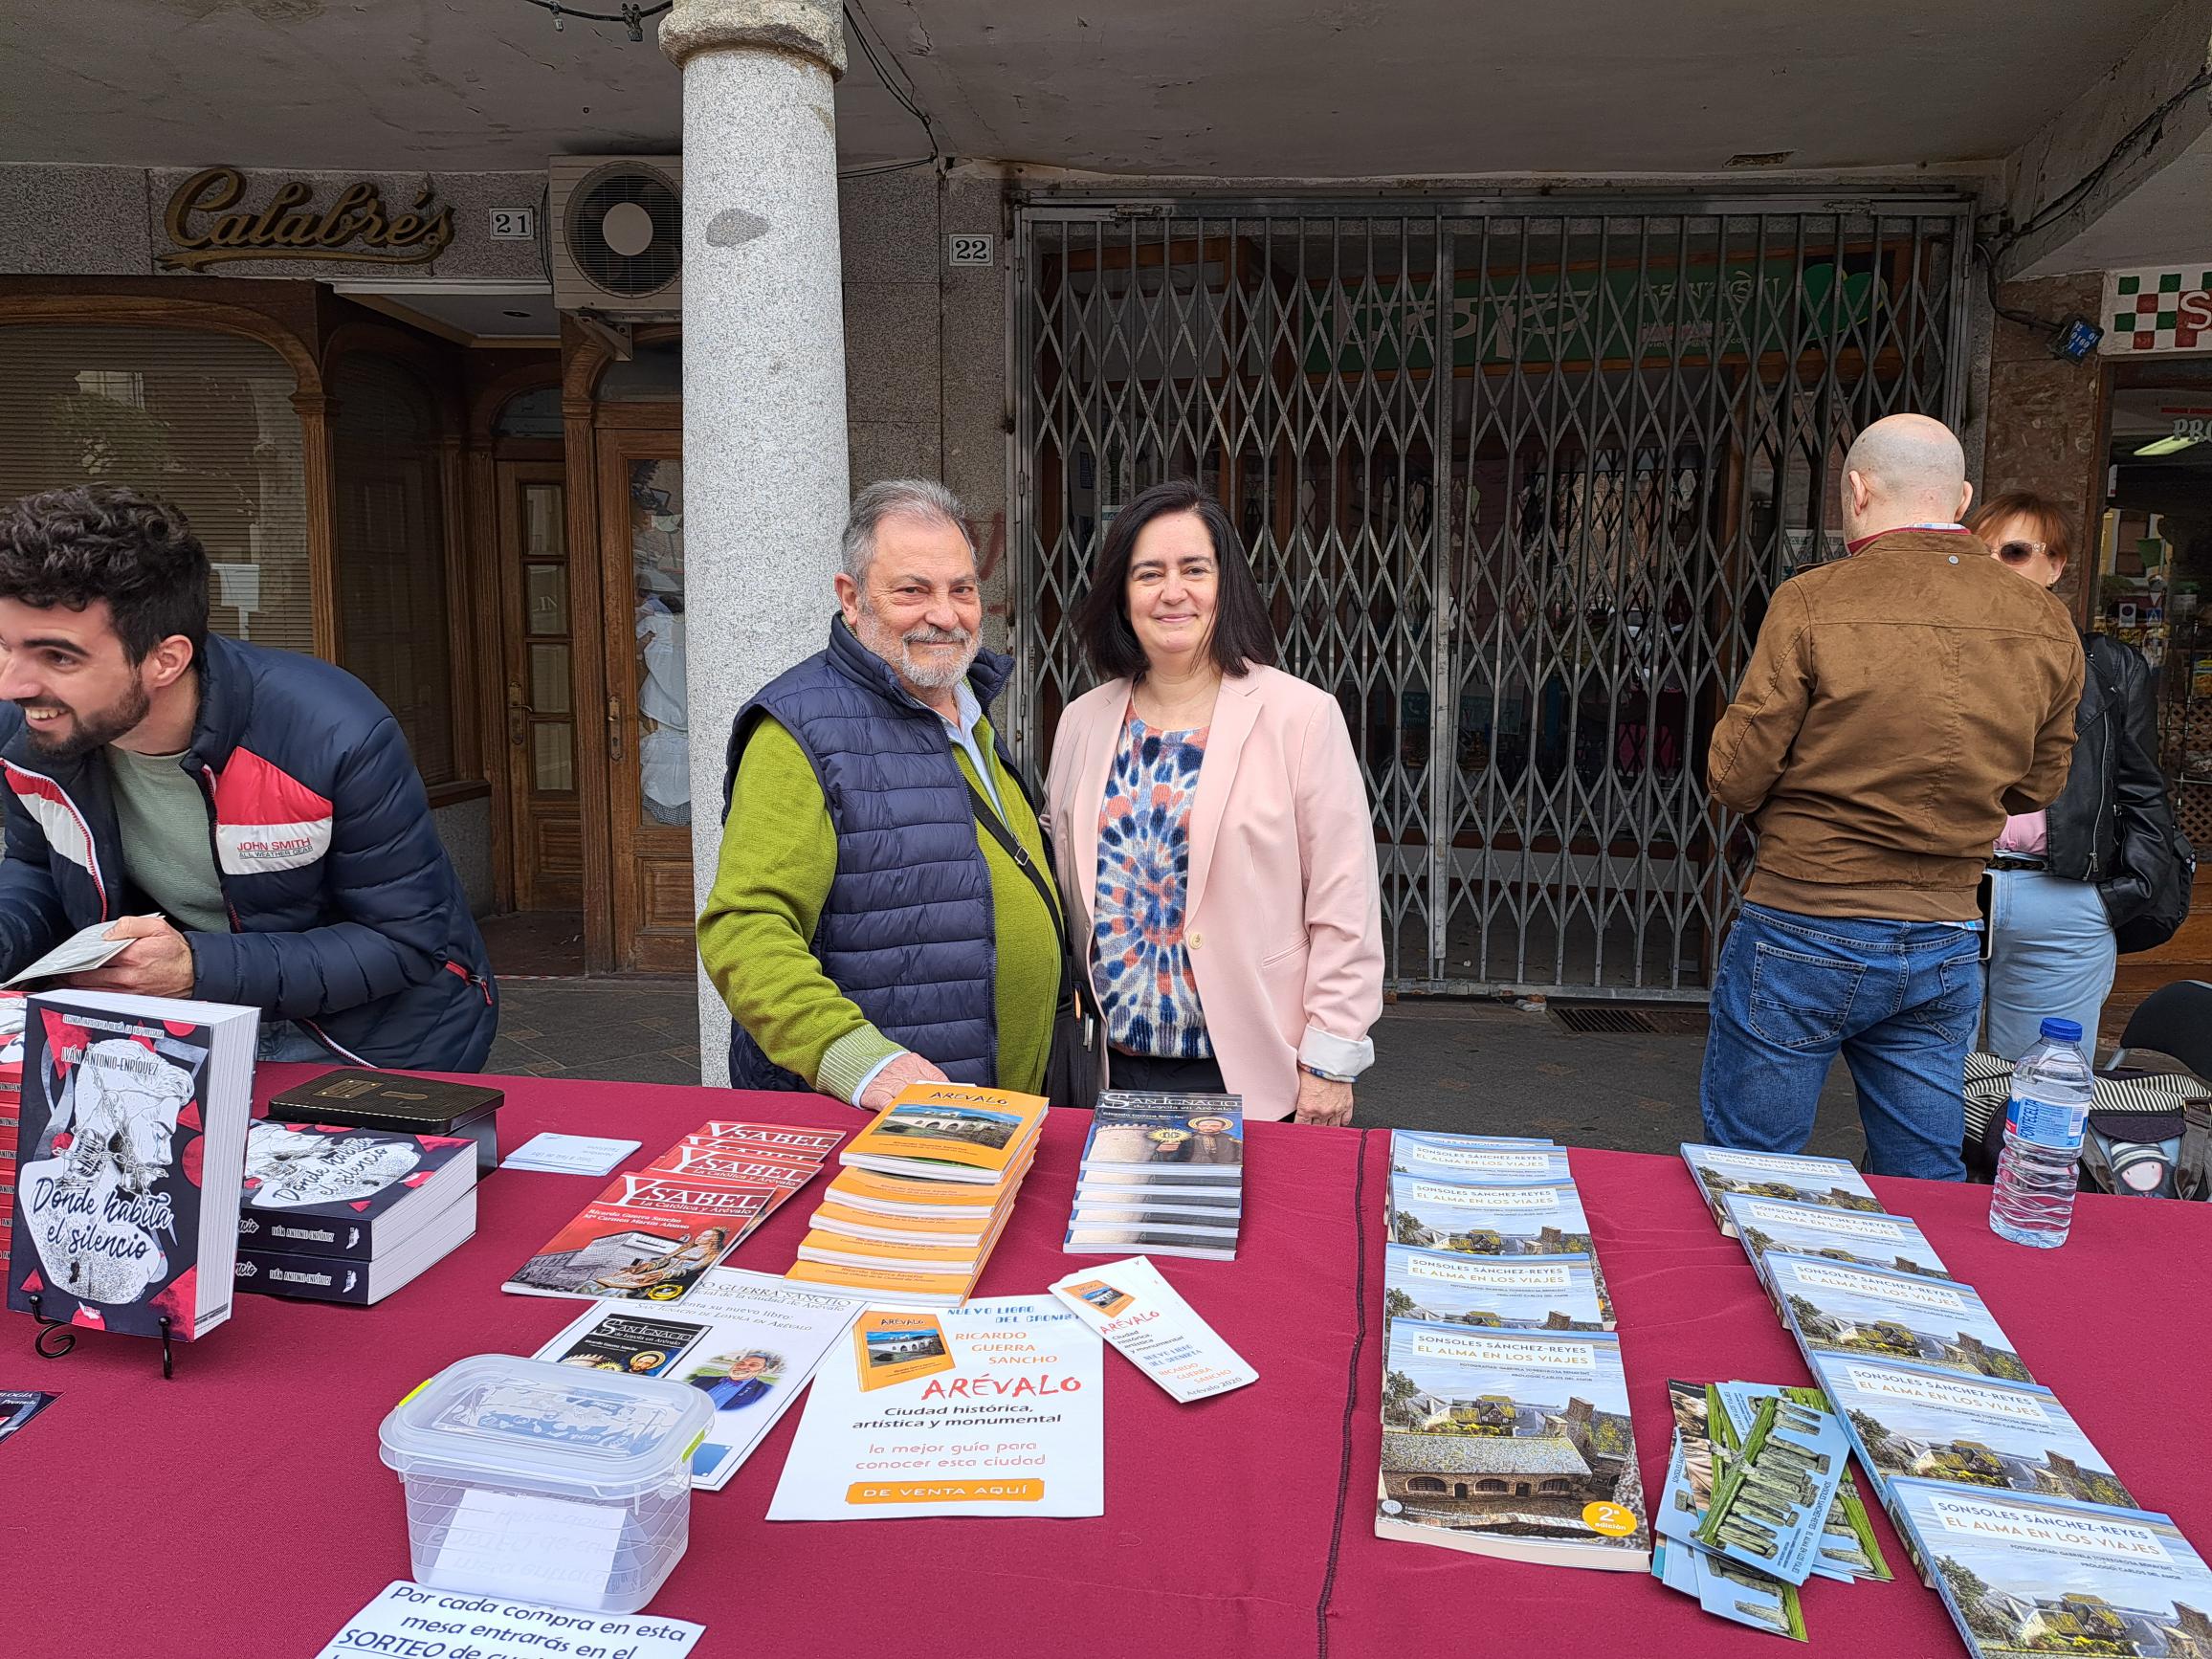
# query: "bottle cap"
{"points": [[2063, 1030]]}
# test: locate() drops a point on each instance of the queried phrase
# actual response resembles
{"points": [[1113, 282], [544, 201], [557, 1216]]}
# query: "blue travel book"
{"points": [[2052, 1574], [1511, 1443], [1543, 1219], [1720, 1170], [1918, 1421], [1835, 1308], [1477, 1160], [1768, 1224], [1452, 1288]]}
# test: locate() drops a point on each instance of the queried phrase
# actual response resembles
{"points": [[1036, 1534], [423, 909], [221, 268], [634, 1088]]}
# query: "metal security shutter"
{"points": [[203, 420], [391, 552], [1518, 481]]}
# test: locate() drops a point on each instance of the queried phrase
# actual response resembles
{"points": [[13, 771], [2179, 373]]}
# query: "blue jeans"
{"points": [[2051, 954], [1901, 999], [288, 1040]]}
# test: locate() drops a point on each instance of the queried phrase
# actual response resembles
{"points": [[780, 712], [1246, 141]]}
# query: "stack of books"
{"points": [[1505, 1409], [10, 1111], [655, 1231], [338, 1214], [1163, 1175], [924, 1192], [2008, 1509]]}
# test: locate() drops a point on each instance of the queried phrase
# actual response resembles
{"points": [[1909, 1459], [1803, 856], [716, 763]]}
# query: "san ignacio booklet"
{"points": [[1514, 1444]]}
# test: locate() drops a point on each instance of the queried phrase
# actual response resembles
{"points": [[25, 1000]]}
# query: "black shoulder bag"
{"points": [[2157, 853], [1075, 1068]]}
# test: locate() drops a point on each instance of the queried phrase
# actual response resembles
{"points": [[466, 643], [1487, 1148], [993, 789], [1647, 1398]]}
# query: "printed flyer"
{"points": [[747, 1341], [1133, 1306], [1013, 1424]]}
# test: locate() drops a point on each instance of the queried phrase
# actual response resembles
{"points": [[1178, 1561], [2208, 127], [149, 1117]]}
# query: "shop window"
{"points": [[392, 625], [203, 420]]}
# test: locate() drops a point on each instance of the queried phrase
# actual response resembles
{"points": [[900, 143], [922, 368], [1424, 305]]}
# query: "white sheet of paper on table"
{"points": [[401, 1621], [512, 1543], [80, 952], [570, 1154]]}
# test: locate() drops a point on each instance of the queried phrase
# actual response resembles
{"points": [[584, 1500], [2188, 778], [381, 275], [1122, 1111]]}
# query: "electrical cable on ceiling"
{"points": [[630, 18], [2150, 125], [854, 25]]}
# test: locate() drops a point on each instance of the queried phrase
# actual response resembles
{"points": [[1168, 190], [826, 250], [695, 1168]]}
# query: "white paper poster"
{"points": [[407, 1618], [994, 1408]]}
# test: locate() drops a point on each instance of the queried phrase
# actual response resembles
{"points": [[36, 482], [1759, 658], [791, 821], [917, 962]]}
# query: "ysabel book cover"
{"points": [[107, 1233]]}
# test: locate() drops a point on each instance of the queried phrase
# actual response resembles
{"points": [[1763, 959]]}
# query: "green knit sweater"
{"points": [[756, 934]]}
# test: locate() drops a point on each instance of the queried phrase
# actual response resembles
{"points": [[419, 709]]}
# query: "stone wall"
{"points": [[925, 348]]}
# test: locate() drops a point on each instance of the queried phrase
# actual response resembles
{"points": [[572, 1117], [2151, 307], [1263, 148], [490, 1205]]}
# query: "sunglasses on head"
{"points": [[2020, 552]]}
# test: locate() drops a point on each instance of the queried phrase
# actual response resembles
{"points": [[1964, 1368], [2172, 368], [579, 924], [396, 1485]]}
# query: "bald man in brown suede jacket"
{"points": [[1900, 703]]}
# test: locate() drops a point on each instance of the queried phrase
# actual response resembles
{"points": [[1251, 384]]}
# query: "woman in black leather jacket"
{"points": [[2065, 878]]}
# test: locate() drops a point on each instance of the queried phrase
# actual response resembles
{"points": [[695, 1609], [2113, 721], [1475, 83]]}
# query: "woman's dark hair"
{"points": [[1243, 635], [69, 547]]}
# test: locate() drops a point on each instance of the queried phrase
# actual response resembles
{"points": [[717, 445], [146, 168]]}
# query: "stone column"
{"points": [[766, 483]]}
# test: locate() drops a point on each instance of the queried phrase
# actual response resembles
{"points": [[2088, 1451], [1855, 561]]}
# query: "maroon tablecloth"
{"points": [[241, 1509]]}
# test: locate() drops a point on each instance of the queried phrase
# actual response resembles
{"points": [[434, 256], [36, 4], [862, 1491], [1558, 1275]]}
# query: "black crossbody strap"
{"points": [[987, 816]]}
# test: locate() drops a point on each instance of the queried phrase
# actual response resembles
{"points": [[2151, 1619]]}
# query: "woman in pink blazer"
{"points": [[1213, 832]]}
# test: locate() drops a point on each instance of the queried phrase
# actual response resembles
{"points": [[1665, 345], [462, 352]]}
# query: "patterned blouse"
{"points": [[1140, 968]]}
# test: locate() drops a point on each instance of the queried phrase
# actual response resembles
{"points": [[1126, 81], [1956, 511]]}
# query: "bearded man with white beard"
{"points": [[866, 927]]}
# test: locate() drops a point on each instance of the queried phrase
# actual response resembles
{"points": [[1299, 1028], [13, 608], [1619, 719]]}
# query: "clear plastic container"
{"points": [[546, 1483], [2040, 1168]]}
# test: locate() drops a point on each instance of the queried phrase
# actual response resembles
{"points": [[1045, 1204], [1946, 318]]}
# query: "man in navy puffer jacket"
{"points": [[250, 819]]}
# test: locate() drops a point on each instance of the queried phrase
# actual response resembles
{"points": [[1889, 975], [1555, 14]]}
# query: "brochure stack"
{"points": [[2008, 1509], [1162, 1174], [1505, 1410], [925, 1190]]}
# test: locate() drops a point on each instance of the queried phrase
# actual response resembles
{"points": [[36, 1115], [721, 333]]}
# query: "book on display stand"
{"points": [[133, 1141]]}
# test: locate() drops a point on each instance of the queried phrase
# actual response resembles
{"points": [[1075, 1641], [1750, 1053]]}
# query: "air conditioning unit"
{"points": [[617, 234]]}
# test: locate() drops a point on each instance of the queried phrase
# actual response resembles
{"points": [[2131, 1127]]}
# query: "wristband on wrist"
{"points": [[1325, 1076]]}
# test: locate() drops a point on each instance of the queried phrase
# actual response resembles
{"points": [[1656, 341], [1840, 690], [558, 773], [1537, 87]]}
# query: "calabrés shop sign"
{"points": [[210, 222]]}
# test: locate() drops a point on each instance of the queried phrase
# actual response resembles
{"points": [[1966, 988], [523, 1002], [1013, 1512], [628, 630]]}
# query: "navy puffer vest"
{"points": [[908, 930]]}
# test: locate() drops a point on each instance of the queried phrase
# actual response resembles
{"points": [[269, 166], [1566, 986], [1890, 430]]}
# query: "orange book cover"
{"points": [[949, 1131], [905, 1195], [889, 1281], [929, 1229], [844, 1250], [881, 1282]]}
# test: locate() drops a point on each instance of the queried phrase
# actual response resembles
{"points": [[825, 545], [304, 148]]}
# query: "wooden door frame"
{"points": [[620, 442], [510, 476]]}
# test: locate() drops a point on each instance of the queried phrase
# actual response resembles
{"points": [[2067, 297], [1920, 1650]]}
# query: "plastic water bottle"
{"points": [[2038, 1171]]}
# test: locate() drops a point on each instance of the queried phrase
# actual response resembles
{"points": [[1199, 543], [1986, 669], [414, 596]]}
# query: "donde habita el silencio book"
{"points": [[133, 1147]]}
